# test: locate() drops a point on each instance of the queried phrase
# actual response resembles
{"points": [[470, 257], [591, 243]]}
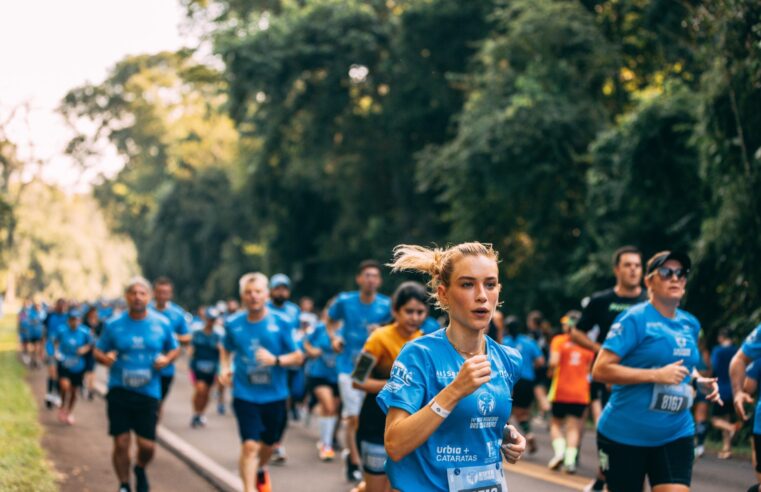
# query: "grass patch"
{"points": [[22, 461]]}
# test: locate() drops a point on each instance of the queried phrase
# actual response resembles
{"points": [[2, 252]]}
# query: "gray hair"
{"points": [[138, 280], [252, 277]]}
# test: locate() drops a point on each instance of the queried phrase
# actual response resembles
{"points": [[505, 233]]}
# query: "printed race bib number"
{"points": [[260, 375], [485, 478], [671, 398], [135, 378], [206, 366]]}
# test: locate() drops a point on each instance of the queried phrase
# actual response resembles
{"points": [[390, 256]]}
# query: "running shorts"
{"points": [[625, 466], [351, 398], [128, 411], [523, 393], [205, 377], [263, 422], [76, 378], [727, 410], [166, 384], [562, 410], [372, 454], [757, 449]]}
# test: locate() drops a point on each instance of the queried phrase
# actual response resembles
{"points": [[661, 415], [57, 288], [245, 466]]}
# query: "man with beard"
{"points": [[135, 346]]}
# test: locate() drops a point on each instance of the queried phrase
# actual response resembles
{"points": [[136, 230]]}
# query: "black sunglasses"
{"points": [[666, 273]]}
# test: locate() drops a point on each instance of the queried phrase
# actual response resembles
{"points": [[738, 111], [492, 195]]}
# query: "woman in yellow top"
{"points": [[383, 346]]}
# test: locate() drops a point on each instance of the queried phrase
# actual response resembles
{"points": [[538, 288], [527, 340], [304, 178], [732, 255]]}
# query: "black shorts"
{"points": [[562, 410], [599, 391], [627, 465], [206, 377], [89, 362], [34, 339], [75, 378], [728, 410], [166, 383], [523, 393], [263, 422], [128, 411], [757, 449], [315, 382]]}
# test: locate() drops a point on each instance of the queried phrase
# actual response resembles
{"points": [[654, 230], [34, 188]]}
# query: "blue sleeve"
{"points": [[623, 336], [753, 371], [336, 310], [751, 347], [405, 388], [714, 357], [229, 342], [537, 351], [286, 338], [50, 345], [170, 342], [105, 343], [182, 327]]}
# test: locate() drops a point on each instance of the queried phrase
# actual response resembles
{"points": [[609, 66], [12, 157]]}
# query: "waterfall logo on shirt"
{"points": [[615, 330], [138, 342], [486, 403], [682, 349]]}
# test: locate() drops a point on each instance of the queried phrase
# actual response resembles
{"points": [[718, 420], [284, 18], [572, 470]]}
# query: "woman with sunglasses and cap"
{"points": [[649, 356]]}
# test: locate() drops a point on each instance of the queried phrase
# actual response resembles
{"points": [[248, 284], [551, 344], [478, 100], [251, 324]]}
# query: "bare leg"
{"points": [[145, 451], [120, 457], [249, 464]]}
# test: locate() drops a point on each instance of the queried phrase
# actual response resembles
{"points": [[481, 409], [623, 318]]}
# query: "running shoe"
{"points": [[570, 469], [531, 444], [221, 408], [202, 420], [278, 456], [326, 453], [700, 450], [596, 485], [49, 400], [70, 419], [194, 423], [62, 417], [353, 474], [125, 488], [141, 480], [555, 462], [263, 483]]}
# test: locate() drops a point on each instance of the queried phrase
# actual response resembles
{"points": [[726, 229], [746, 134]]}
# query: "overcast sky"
{"points": [[50, 46]]}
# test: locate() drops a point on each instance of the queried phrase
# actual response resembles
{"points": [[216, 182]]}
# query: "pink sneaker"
{"points": [[62, 417], [70, 419]]}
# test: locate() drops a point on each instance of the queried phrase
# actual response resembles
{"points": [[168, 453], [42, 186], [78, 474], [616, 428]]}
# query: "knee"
{"points": [[249, 449], [121, 443]]}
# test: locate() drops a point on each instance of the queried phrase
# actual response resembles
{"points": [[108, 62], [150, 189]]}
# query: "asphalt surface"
{"points": [[303, 470]]}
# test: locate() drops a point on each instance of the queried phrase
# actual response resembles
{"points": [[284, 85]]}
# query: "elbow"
{"points": [[599, 373], [392, 449]]}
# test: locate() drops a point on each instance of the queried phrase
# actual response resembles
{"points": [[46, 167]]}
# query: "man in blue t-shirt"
{"points": [[749, 352], [135, 346], [358, 313], [261, 343], [163, 292]]}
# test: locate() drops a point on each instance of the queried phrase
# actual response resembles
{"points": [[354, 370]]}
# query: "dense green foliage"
{"points": [[556, 129]]}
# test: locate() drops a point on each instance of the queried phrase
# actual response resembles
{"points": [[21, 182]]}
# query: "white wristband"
{"points": [[439, 410]]}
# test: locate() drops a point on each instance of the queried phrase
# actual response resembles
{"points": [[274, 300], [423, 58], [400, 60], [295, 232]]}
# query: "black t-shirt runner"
{"points": [[601, 309]]}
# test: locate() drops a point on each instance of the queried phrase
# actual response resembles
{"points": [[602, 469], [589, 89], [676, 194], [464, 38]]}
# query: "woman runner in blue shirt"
{"points": [[651, 350], [458, 371]]}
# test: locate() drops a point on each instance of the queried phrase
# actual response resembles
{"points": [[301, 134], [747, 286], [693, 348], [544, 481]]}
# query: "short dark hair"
{"points": [[163, 280], [408, 291], [365, 264], [624, 250]]}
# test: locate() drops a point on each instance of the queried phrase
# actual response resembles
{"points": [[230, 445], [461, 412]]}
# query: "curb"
{"points": [[211, 471]]}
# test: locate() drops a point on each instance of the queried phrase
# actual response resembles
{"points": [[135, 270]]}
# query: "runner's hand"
{"points": [[338, 344], [741, 398], [225, 377], [110, 358], [265, 357], [161, 361], [710, 387], [514, 448], [473, 373], [672, 373]]}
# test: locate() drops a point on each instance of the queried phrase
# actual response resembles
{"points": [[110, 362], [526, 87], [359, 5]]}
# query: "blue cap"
{"points": [[279, 280], [211, 313], [73, 313]]}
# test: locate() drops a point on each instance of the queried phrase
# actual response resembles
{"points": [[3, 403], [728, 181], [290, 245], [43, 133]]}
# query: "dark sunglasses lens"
{"points": [[666, 273]]}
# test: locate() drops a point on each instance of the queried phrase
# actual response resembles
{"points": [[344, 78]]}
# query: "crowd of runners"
{"points": [[429, 389]]}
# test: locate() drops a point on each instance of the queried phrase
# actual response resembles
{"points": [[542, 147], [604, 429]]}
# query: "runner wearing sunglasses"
{"points": [[649, 354]]}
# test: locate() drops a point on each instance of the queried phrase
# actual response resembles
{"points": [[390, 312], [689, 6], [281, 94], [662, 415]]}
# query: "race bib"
{"points": [[135, 378], [70, 362], [485, 478], [260, 375], [671, 398], [206, 366]]}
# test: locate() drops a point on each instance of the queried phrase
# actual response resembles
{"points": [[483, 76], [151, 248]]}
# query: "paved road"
{"points": [[219, 441]]}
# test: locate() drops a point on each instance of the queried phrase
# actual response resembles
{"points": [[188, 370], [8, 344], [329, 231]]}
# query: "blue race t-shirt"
{"points": [[33, 322], [323, 366], [651, 414], [464, 452], [178, 321], [252, 381], [54, 322], [69, 342], [288, 310], [205, 358], [529, 350], [751, 346], [357, 318], [138, 343], [430, 325], [721, 356], [753, 371]]}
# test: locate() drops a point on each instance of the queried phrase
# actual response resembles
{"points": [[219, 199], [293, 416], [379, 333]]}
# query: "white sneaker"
{"points": [[555, 462], [700, 451]]}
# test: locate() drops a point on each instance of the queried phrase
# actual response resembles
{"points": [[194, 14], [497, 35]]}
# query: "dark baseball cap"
{"points": [[659, 259]]}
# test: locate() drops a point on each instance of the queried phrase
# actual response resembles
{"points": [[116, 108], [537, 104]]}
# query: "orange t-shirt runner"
{"points": [[570, 381]]}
